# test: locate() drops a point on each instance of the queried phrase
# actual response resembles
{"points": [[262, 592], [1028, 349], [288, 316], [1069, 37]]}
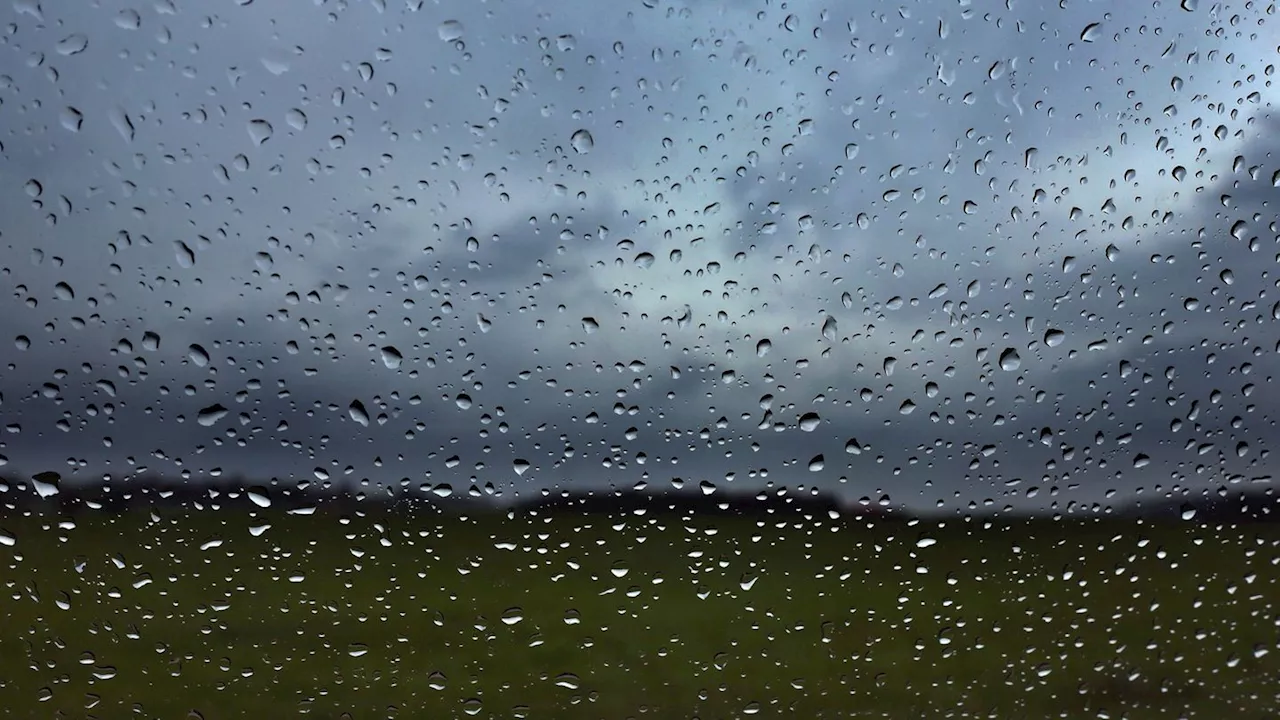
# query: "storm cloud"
{"points": [[1019, 254]]}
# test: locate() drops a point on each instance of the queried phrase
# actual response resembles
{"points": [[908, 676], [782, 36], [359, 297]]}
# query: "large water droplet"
{"points": [[209, 416], [260, 131], [450, 30], [829, 329], [810, 421], [72, 44], [46, 484], [198, 355], [1010, 360], [358, 413], [582, 142], [391, 357], [259, 496]]}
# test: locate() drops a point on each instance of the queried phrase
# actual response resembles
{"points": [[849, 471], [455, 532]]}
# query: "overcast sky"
{"points": [[1019, 252]]}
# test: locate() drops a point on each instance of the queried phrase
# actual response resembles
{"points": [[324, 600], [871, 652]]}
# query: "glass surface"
{"points": [[645, 358]]}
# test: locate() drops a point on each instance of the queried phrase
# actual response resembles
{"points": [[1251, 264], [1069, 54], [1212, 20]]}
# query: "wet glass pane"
{"points": [[648, 358]]}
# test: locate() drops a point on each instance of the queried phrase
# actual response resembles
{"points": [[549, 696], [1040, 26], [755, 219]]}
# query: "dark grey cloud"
{"points": [[888, 199]]}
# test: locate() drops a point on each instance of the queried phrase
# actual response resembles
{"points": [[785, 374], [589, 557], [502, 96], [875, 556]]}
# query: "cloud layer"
{"points": [[956, 255]]}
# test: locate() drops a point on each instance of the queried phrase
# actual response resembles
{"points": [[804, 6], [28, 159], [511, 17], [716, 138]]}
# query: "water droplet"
{"points": [[907, 407], [260, 131], [520, 466], [484, 323], [209, 416], [71, 119], [1091, 33], [850, 151], [356, 650], [72, 44], [259, 496], [589, 325], [747, 581], [128, 19], [358, 413], [512, 616], [853, 447], [1054, 337], [296, 119], [46, 484], [450, 30], [582, 142], [1140, 461], [829, 330], [183, 253], [1010, 360], [644, 260], [150, 341], [817, 463], [763, 347], [810, 421], [63, 291], [391, 357], [463, 401], [7, 538], [437, 681], [198, 355]]}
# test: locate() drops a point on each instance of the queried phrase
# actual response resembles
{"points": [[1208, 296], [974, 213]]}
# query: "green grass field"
{"points": [[175, 614]]}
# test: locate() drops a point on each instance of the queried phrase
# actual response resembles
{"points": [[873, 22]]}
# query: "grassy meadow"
{"points": [[175, 613]]}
